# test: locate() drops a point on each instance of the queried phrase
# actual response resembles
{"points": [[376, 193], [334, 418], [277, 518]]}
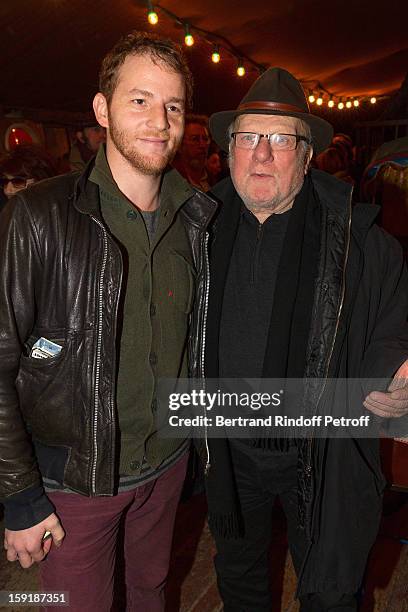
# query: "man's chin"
{"points": [[152, 166]]}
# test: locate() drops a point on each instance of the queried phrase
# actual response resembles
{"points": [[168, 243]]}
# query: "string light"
{"points": [[240, 69], [188, 38], [216, 57], [152, 16], [210, 38]]}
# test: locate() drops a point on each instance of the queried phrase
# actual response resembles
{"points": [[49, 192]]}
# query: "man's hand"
{"points": [[394, 402], [28, 546]]}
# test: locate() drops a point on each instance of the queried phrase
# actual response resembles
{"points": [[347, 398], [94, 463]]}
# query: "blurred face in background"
{"points": [[92, 137], [194, 148], [214, 165], [13, 184]]}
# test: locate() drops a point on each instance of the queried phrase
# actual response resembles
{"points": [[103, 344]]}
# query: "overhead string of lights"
{"points": [[220, 45], [321, 97]]}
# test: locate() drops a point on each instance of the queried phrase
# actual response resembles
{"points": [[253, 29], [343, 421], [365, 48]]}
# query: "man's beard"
{"points": [[153, 165]]}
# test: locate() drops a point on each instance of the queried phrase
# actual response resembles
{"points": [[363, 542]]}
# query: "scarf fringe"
{"points": [[227, 526], [282, 445]]}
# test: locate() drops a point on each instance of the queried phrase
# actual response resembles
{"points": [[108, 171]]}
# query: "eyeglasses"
{"points": [[277, 142], [198, 138], [19, 182]]}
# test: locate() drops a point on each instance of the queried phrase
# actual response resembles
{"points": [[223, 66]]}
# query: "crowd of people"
{"points": [[142, 266]]}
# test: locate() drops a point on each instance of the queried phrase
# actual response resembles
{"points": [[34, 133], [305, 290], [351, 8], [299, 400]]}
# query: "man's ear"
{"points": [[100, 106], [308, 157], [79, 135]]}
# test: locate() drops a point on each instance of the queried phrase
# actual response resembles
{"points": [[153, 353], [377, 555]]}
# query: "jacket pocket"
{"points": [[45, 389]]}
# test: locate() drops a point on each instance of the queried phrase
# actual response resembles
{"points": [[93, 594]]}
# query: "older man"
{"points": [[297, 290]]}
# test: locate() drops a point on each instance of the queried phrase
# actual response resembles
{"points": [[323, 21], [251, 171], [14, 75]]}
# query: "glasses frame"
{"points": [[268, 137]]}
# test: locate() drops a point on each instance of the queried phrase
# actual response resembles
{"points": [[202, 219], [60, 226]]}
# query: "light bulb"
{"points": [[330, 103], [348, 104], [356, 103], [373, 100], [240, 70], [188, 38], [216, 56], [311, 98], [152, 16], [340, 105]]}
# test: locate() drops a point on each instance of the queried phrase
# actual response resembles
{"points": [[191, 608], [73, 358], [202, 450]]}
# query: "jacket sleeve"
{"points": [[388, 346], [21, 488]]}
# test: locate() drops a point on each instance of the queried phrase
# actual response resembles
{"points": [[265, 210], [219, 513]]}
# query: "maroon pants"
{"points": [[84, 565]]}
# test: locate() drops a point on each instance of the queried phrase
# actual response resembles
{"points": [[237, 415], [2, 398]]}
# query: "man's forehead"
{"points": [[145, 71], [267, 122]]}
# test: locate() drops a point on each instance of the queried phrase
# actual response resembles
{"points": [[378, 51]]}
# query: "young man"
{"points": [[99, 278], [300, 287]]}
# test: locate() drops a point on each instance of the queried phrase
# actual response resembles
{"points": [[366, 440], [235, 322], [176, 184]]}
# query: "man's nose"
{"points": [[158, 118], [263, 151]]}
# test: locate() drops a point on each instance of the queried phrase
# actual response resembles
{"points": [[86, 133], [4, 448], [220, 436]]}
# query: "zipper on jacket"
{"points": [[204, 328], [343, 290], [309, 467], [255, 258], [98, 353]]}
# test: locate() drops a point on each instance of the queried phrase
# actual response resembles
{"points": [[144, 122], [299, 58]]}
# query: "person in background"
{"points": [[332, 162], [344, 144], [87, 142], [191, 157], [213, 165], [23, 166]]}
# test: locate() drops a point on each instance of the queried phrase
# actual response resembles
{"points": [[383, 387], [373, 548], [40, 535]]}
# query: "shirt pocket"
{"points": [[183, 280]]}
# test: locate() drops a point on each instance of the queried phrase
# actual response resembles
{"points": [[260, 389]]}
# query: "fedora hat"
{"points": [[275, 92]]}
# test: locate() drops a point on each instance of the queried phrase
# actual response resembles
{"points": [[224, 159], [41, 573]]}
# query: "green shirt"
{"points": [[156, 299]]}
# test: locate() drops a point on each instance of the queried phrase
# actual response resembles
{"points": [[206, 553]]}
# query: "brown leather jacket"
{"points": [[61, 276]]}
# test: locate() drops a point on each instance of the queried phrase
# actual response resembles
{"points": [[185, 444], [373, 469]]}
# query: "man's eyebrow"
{"points": [[149, 94], [179, 100], [142, 92]]}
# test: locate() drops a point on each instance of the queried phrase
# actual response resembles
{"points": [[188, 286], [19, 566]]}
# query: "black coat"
{"points": [[358, 330]]}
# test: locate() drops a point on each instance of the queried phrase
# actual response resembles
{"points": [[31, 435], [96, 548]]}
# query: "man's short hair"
{"points": [[143, 43]]}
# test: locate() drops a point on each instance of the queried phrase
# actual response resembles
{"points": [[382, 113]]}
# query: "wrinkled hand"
{"points": [[28, 546], [393, 402]]}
